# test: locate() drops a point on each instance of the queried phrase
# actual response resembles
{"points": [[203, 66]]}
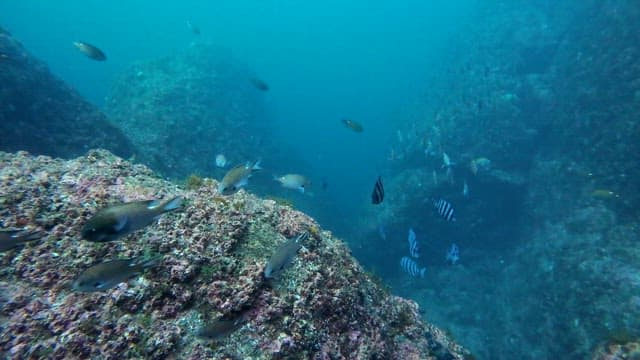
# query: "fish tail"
{"points": [[256, 165], [148, 262], [172, 204]]}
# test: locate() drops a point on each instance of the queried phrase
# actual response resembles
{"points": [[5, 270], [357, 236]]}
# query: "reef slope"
{"points": [[215, 249]]}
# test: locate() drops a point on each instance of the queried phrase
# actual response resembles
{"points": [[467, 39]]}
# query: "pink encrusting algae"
{"points": [[214, 253]]}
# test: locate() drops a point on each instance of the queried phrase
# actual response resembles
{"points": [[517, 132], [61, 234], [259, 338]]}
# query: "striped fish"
{"points": [[414, 248], [444, 209], [411, 267], [378, 192]]}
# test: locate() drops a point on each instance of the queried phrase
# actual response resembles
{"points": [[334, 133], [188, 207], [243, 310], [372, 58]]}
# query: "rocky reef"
{"points": [[43, 115], [182, 110], [214, 252]]}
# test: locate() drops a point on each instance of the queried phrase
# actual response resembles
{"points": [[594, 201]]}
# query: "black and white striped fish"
{"points": [[444, 209], [411, 267], [414, 247], [378, 192]]}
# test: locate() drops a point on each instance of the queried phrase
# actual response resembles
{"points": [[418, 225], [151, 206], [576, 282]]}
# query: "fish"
{"points": [[411, 267], [237, 177], [221, 161], [220, 328], [283, 256], [479, 164], [465, 189], [382, 232], [446, 161], [193, 28], [108, 274], [293, 181], [259, 84], [377, 195], [114, 222], [353, 125], [434, 175], [91, 51], [444, 209], [604, 194], [453, 255], [10, 239], [414, 247]]}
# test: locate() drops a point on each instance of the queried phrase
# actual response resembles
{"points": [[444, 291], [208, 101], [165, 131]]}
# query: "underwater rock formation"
{"points": [[182, 110], [214, 254], [43, 115]]}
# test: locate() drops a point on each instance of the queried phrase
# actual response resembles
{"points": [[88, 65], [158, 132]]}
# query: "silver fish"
{"points": [[293, 181], [91, 51], [283, 256], [117, 221], [237, 177], [108, 274], [10, 239]]}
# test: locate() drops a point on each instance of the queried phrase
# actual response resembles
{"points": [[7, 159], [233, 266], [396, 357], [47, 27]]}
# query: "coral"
{"points": [[215, 250]]}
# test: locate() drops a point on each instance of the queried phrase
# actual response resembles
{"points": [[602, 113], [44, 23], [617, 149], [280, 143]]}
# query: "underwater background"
{"points": [[522, 116]]}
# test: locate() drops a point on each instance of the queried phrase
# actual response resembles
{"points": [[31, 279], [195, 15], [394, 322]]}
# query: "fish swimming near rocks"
{"points": [[220, 328], [114, 222], [414, 247], [377, 195], [411, 267], [293, 181], [91, 51], [10, 239], [237, 177], [444, 209], [353, 125], [283, 256], [108, 274]]}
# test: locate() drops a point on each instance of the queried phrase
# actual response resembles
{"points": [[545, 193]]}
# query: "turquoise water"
{"points": [[546, 92]]}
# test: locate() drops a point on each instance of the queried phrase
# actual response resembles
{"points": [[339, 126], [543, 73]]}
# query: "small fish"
{"points": [[411, 267], [221, 161], [377, 195], [90, 51], [351, 124], [446, 161], [479, 164], [10, 239], [259, 84], [108, 274], [444, 209], [453, 255], [283, 256], [193, 28], [237, 177], [382, 232], [434, 174], [604, 194], [293, 181], [414, 247], [465, 189], [220, 328], [119, 220]]}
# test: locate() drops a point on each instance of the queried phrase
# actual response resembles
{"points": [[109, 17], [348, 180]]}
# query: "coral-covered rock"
{"points": [[215, 249]]}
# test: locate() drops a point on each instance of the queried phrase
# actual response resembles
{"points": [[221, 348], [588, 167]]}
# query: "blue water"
{"points": [[477, 80]]}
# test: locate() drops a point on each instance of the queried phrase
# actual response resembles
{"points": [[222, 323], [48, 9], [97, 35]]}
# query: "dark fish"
{"points": [[117, 221], [10, 239], [411, 267], [259, 84], [283, 256], [90, 51], [352, 125], [377, 195], [237, 177], [220, 328], [414, 247], [444, 209], [108, 274], [194, 28]]}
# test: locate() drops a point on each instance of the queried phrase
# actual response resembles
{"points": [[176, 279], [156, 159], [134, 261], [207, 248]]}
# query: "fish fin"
{"points": [[256, 165], [172, 204], [147, 262], [121, 222], [301, 189], [422, 271]]}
